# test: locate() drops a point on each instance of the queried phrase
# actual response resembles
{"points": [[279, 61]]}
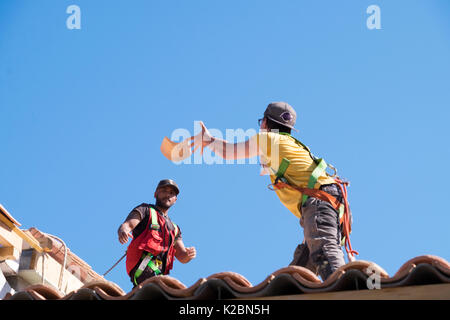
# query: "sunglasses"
{"points": [[260, 121]]}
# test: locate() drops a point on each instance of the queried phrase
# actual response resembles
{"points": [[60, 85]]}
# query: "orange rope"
{"points": [[322, 195], [347, 228]]}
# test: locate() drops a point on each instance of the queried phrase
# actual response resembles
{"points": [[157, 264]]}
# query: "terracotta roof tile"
{"points": [[292, 280], [86, 273]]}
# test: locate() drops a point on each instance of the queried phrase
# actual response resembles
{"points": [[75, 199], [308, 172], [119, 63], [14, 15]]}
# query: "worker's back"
{"points": [[274, 147]]}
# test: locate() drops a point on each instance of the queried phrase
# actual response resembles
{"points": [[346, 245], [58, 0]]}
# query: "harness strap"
{"points": [[317, 172], [300, 144], [316, 193], [176, 229], [342, 208], [147, 256], [154, 225], [282, 169], [147, 261]]}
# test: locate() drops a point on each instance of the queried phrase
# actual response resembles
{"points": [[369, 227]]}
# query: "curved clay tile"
{"points": [[246, 289], [237, 278], [444, 270], [402, 273], [149, 291], [21, 295], [105, 296], [108, 287], [429, 259], [182, 293], [164, 282], [363, 265], [303, 276], [83, 294], [288, 280], [36, 296], [44, 291], [300, 271], [68, 296], [168, 281], [240, 284]]}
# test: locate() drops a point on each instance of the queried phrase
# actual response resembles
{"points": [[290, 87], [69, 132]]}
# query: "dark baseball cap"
{"points": [[282, 113], [168, 182]]}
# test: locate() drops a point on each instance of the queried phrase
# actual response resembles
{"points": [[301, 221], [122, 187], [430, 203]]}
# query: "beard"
{"points": [[162, 204]]}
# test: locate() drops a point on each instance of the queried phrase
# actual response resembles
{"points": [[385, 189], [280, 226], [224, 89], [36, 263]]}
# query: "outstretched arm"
{"points": [[183, 254], [125, 228], [228, 151]]}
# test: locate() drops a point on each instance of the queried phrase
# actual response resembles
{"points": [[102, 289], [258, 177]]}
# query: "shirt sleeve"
{"points": [[263, 141], [141, 210], [178, 237]]}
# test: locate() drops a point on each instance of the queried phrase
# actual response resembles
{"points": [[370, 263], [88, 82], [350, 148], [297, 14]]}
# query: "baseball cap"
{"points": [[168, 182], [282, 113]]}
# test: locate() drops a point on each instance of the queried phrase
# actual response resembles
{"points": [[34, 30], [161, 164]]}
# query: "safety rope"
{"points": [[321, 165], [337, 205], [346, 225], [115, 264]]}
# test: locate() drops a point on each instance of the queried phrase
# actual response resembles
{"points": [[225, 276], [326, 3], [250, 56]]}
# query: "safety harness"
{"points": [[147, 258], [321, 166]]}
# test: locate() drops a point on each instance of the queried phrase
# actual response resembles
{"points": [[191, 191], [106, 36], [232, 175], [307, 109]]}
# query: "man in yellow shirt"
{"points": [[321, 250]]}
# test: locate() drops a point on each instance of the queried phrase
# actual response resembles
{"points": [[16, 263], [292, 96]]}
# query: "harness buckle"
{"points": [[158, 263], [334, 169], [154, 226]]}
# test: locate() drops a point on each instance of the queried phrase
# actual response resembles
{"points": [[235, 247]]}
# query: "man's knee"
{"points": [[322, 234]]}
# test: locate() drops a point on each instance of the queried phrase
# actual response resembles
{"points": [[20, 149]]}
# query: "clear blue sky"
{"points": [[83, 113]]}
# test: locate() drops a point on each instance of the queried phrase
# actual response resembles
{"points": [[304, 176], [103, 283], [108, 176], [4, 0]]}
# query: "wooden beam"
{"points": [[422, 292], [8, 238], [5, 212], [13, 229], [9, 253]]}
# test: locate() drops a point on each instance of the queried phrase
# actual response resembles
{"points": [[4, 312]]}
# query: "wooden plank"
{"points": [[8, 238], [11, 227], [9, 253], [423, 292], [8, 215]]}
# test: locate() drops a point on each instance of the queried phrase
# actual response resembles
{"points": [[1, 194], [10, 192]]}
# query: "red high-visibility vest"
{"points": [[156, 238]]}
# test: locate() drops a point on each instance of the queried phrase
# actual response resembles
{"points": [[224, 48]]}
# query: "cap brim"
{"points": [[169, 185]]}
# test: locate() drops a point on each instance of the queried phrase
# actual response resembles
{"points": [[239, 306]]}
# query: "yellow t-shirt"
{"points": [[274, 147]]}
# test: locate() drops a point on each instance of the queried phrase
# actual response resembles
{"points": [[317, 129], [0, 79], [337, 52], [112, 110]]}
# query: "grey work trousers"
{"points": [[320, 251]]}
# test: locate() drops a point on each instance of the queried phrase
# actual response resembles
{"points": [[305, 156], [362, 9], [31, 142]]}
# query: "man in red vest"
{"points": [[156, 239]]}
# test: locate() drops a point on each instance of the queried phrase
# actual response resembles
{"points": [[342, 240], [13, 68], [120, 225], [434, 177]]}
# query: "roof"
{"points": [[423, 277], [9, 216], [73, 262], [38, 257]]}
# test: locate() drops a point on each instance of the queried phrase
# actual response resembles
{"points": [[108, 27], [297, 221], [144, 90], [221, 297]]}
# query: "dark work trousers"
{"points": [[320, 251], [146, 274]]}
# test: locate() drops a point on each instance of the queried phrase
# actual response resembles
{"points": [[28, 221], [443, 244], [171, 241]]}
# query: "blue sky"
{"points": [[83, 113]]}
